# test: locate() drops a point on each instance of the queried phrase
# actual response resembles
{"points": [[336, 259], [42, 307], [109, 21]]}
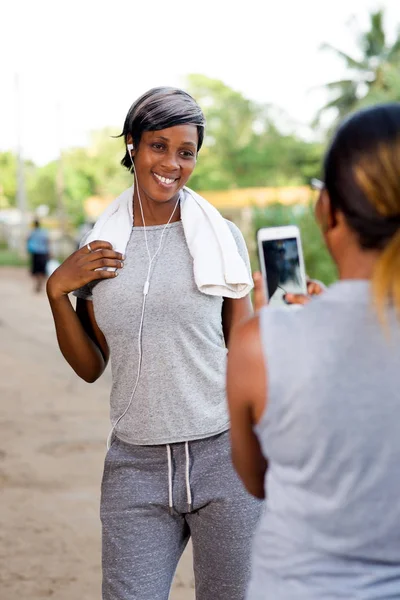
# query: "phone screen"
{"points": [[282, 266]]}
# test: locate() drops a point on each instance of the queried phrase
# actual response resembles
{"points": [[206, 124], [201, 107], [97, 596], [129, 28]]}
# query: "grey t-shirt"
{"points": [[330, 430], [181, 391]]}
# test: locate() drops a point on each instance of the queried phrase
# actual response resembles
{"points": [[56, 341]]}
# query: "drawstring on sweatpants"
{"points": [[170, 500], [188, 490], [187, 479]]}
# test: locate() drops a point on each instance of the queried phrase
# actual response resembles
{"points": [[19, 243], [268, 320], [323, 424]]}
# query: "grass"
{"points": [[11, 258]]}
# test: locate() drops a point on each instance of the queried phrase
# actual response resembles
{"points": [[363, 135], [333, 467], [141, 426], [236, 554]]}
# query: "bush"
{"points": [[10, 258]]}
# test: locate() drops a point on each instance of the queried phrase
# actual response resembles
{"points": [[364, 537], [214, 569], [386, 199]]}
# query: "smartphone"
{"points": [[282, 263]]}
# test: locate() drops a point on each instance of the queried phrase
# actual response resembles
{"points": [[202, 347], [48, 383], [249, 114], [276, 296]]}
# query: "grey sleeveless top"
{"points": [[181, 391], [331, 432]]}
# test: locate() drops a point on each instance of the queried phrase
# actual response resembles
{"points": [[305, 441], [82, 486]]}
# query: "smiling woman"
{"points": [[166, 129], [168, 475], [164, 160]]}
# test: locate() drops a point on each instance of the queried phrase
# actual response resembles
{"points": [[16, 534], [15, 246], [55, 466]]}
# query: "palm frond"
{"points": [[393, 55], [341, 83], [373, 41], [351, 62], [375, 76]]}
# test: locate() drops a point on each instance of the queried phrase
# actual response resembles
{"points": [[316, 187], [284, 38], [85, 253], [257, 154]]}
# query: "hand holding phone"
{"points": [[282, 263]]}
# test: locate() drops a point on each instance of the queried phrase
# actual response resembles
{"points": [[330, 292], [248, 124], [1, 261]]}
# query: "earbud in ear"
{"points": [[129, 147]]}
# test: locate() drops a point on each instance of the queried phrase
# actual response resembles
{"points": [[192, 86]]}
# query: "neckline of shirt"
{"points": [[157, 227]]}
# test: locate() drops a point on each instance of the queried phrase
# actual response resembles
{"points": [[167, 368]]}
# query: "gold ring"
{"points": [[88, 247]]}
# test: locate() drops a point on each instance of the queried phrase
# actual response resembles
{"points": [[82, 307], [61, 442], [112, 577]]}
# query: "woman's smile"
{"points": [[164, 161], [163, 181]]}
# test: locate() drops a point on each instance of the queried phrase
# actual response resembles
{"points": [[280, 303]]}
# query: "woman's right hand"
{"points": [[314, 288], [80, 268]]}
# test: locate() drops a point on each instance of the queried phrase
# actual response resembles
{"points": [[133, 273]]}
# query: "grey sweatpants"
{"points": [[143, 538]]}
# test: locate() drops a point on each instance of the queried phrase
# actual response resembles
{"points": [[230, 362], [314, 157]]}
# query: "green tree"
{"points": [[368, 75], [388, 92], [243, 146], [8, 176], [274, 159], [230, 121], [91, 171], [41, 186]]}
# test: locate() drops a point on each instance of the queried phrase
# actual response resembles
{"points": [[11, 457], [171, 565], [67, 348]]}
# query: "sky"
{"points": [[80, 64]]}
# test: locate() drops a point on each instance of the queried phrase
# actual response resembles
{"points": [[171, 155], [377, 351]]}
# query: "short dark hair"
{"points": [[160, 108]]}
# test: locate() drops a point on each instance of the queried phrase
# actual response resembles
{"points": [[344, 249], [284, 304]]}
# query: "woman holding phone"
{"points": [[314, 394]]}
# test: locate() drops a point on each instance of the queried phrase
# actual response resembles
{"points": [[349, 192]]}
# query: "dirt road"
{"points": [[52, 444]]}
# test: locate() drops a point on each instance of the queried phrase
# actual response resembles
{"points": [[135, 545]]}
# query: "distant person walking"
{"points": [[38, 248]]}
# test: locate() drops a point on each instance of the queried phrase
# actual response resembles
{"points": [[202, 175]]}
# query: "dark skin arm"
{"points": [[247, 385], [246, 388], [80, 340], [246, 453], [234, 311]]}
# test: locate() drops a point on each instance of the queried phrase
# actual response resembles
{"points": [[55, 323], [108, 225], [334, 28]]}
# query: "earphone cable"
{"points": [[145, 292]]}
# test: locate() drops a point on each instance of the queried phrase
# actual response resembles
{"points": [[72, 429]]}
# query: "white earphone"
{"points": [[145, 291]]}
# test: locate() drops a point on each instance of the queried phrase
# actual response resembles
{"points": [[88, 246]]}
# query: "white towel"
{"points": [[219, 270]]}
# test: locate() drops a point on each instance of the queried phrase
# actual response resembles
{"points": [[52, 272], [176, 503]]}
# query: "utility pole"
{"points": [[21, 194], [60, 184]]}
